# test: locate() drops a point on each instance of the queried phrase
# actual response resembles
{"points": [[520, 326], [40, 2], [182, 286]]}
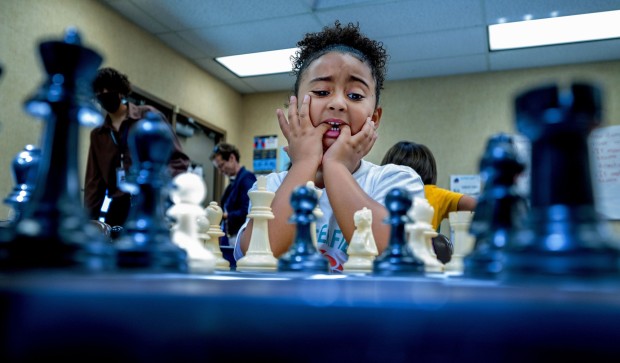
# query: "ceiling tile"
{"points": [[556, 55], [437, 45], [438, 67]]}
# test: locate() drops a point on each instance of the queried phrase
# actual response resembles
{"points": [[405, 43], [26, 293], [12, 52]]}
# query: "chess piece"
{"points": [[500, 210], [187, 193], [398, 258], [53, 231], [462, 240], [145, 243], [362, 249], [259, 256], [24, 166], [443, 248], [421, 233], [302, 256], [318, 213], [211, 230], [564, 236]]}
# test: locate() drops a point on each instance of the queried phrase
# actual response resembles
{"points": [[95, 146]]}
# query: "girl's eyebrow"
{"points": [[329, 78]]}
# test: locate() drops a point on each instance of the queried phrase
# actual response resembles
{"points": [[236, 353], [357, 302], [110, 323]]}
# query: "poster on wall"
{"points": [[466, 184], [265, 154], [605, 160]]}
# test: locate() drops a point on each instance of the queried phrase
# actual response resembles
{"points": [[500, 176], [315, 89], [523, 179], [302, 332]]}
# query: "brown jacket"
{"points": [[104, 157]]}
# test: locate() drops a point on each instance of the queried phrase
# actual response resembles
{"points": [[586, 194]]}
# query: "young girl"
{"points": [[331, 125]]}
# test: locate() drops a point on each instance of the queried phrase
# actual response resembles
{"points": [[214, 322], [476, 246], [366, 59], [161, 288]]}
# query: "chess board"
{"points": [[287, 317]]}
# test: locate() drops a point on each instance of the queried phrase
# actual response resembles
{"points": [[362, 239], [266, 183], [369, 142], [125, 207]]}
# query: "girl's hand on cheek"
{"points": [[350, 149], [304, 140]]}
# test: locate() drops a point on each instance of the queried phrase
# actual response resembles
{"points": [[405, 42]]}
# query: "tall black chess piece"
{"points": [[54, 231], [500, 210], [24, 167], [145, 242], [303, 256], [564, 236], [398, 258]]}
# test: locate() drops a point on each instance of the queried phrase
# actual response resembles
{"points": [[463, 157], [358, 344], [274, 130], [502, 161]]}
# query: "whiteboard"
{"points": [[605, 159]]}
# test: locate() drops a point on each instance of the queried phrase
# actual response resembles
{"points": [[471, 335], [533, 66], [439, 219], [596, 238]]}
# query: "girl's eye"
{"points": [[355, 96], [321, 93]]}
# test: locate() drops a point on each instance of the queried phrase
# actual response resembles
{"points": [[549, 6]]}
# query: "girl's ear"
{"points": [[376, 116]]}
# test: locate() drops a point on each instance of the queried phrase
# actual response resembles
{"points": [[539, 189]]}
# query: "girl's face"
{"points": [[342, 92]]}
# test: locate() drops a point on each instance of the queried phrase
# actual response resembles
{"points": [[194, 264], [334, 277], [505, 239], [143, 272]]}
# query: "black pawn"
{"points": [[24, 166], [398, 258], [145, 242], [564, 236], [54, 230], [303, 256], [500, 210]]}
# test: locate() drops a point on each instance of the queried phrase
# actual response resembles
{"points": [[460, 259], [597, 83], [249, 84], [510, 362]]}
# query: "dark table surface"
{"points": [[276, 317]]}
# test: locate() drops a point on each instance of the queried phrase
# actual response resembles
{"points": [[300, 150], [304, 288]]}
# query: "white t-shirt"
{"points": [[375, 180]]}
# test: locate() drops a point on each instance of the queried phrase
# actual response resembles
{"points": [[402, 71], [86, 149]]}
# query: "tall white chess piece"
{"points": [[462, 240], [362, 249], [187, 193], [259, 256], [210, 232], [420, 234]]}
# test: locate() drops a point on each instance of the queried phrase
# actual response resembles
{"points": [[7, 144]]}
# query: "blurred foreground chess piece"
{"points": [[188, 191], [259, 256], [53, 231], [145, 242], [421, 232], [302, 256], [500, 211], [214, 232], [362, 250], [398, 258], [563, 236], [25, 166]]}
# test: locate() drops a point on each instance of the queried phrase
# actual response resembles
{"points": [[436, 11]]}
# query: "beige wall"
{"points": [[150, 65]]}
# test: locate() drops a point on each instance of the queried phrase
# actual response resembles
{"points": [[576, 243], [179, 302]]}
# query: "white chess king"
{"points": [[259, 256]]}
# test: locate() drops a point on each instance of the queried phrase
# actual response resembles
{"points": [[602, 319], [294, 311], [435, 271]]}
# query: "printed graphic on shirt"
{"points": [[333, 246]]}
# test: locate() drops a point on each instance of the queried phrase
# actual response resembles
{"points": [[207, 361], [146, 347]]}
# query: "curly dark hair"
{"points": [[346, 39], [112, 80]]}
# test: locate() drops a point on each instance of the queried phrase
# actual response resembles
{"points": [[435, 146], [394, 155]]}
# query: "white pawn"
{"points": [[259, 256], [187, 193], [421, 232], [210, 243], [362, 249], [318, 213]]}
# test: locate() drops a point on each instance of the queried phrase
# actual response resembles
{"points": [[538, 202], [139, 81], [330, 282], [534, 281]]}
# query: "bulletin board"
{"points": [[605, 159], [265, 154]]}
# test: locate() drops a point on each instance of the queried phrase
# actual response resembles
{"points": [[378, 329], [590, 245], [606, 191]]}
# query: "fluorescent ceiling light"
{"points": [[256, 64], [560, 30]]}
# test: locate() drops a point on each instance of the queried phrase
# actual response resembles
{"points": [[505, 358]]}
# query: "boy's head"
{"points": [[416, 156], [347, 39], [111, 87], [111, 80]]}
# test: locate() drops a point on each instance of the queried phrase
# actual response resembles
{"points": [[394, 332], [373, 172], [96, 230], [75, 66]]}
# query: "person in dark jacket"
{"points": [[109, 159], [235, 201]]}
